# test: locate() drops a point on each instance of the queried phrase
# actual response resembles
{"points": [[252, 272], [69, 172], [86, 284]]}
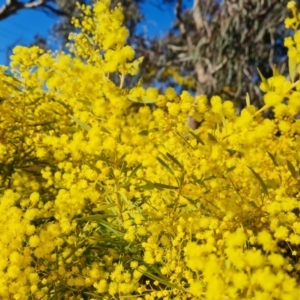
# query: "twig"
{"points": [[11, 7]]}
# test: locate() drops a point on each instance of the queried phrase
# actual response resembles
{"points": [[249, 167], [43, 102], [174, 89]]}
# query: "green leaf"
{"points": [[103, 129], [160, 280], [292, 169], [142, 99], [96, 218], [271, 183], [85, 102], [103, 158], [210, 178], [42, 123], [196, 180], [248, 102], [292, 67], [165, 165], [91, 166], [146, 131], [2, 99], [72, 252], [197, 203], [147, 100], [147, 202], [94, 296], [124, 168], [197, 138], [13, 77], [35, 101], [90, 40], [181, 178], [148, 186], [264, 80], [189, 199], [235, 188], [104, 207], [133, 172], [184, 139], [253, 204], [56, 258], [133, 99], [13, 86], [136, 63], [212, 138], [262, 183], [80, 123], [161, 186], [174, 160], [273, 158], [109, 227], [229, 169], [275, 71], [140, 82], [231, 152], [66, 106]]}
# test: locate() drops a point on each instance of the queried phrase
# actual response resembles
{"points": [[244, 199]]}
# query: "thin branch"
{"points": [[177, 48], [182, 25], [11, 7], [197, 15], [54, 10], [32, 4]]}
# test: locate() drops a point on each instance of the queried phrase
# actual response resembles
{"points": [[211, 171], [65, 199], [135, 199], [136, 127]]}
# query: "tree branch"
{"points": [[181, 24], [11, 7], [54, 10]]}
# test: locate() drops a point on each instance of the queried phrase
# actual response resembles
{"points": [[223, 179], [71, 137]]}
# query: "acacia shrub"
{"points": [[104, 197]]}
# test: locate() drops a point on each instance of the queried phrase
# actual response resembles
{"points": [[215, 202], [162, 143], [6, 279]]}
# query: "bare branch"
{"points": [[54, 10], [198, 19], [11, 7], [197, 15], [182, 25], [177, 48], [33, 4]]}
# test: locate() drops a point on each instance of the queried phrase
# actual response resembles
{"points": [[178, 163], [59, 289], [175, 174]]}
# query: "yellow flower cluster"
{"points": [[107, 194]]}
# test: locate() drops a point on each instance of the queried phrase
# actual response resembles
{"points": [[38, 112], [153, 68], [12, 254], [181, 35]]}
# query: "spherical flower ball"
{"points": [[272, 98]]}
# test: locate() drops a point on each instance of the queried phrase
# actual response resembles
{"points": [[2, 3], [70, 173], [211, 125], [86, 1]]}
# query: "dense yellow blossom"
{"points": [[107, 193]]}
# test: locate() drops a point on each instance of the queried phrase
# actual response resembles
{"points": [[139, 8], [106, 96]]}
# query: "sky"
{"points": [[21, 28]]}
